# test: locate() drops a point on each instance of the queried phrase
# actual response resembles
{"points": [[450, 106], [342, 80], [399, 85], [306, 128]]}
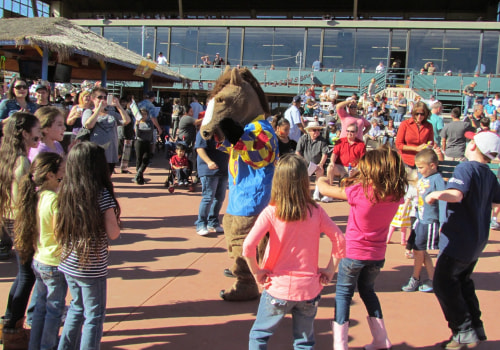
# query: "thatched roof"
{"points": [[66, 38]]}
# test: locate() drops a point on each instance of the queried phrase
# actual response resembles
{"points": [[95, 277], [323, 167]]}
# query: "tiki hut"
{"points": [[59, 41]]}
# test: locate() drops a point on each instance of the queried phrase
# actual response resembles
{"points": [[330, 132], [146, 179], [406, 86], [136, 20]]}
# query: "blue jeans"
{"points": [[273, 310], [87, 309], [468, 100], [398, 117], [51, 291], [19, 292], [363, 273], [456, 293], [389, 140], [213, 192]]}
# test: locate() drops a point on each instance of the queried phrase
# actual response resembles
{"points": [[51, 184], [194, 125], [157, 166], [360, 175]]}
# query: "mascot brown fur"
{"points": [[236, 117]]}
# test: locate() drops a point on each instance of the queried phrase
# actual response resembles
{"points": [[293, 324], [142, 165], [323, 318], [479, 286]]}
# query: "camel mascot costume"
{"points": [[236, 118]]}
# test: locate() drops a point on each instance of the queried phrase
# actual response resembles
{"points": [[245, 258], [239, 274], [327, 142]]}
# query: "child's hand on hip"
{"points": [[262, 275]]}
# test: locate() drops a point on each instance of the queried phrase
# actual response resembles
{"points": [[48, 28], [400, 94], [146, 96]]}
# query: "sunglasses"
{"points": [[418, 113], [350, 131], [102, 97], [318, 130], [20, 87], [353, 106]]}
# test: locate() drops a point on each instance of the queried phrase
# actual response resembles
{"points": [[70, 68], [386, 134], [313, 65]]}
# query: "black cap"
{"points": [[297, 99], [150, 94]]}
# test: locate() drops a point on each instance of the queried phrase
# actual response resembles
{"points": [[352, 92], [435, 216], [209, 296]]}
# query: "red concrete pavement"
{"points": [[164, 282]]}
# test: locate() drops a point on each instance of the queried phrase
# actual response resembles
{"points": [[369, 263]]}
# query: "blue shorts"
{"points": [[426, 236]]}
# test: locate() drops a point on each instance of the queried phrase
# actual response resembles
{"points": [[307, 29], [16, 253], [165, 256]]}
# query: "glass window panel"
{"points": [[313, 46], [8, 5], [461, 50], [24, 10], [162, 41], [425, 45], [234, 49], [287, 42], [258, 46], [490, 51], [371, 48], [97, 30], [399, 39], [210, 42], [183, 45], [338, 48], [118, 35], [15, 7]]}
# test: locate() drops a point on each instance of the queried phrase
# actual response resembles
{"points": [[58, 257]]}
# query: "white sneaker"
{"points": [[203, 231], [326, 199], [217, 229]]}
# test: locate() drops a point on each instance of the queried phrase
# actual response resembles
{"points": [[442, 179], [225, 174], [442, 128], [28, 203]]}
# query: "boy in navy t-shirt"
{"points": [[470, 193]]}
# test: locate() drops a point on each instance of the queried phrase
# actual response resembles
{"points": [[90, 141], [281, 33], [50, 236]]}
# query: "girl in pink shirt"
{"points": [[289, 269], [374, 193]]}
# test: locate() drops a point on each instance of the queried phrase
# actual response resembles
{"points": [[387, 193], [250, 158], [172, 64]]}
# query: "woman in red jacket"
{"points": [[414, 134]]}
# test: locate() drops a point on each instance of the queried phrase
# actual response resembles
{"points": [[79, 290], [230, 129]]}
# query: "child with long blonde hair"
{"points": [[87, 215], [374, 192], [403, 217], [35, 238], [289, 269]]}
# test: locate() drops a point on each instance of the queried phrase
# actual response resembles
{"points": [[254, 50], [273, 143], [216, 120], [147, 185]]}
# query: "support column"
{"points": [[104, 73], [45, 64]]}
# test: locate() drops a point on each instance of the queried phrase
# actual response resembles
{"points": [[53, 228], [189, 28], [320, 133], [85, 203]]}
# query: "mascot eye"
{"points": [[220, 100]]}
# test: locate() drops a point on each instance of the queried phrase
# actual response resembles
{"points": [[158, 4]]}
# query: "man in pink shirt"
{"points": [[348, 118]]}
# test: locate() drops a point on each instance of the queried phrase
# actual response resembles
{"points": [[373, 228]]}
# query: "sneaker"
{"points": [[202, 231], [494, 225], [453, 344], [326, 199], [426, 286], [217, 229], [412, 285], [409, 254]]}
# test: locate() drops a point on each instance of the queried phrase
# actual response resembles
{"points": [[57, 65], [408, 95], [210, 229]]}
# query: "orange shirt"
{"points": [[411, 135]]}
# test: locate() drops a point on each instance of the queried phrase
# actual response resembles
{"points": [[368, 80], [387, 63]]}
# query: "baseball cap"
{"points": [[297, 99], [41, 86], [150, 94], [488, 142]]}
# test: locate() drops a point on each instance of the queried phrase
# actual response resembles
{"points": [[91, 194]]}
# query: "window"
{"points": [[210, 42], [16, 8]]}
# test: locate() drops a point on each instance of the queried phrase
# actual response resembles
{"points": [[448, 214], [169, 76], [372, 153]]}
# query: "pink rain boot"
{"points": [[340, 337], [379, 333]]}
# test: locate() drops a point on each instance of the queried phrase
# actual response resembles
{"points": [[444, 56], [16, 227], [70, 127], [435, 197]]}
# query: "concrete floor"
{"points": [[164, 282]]}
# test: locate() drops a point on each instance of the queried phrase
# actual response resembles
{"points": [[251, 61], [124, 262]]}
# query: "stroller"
{"points": [[171, 182]]}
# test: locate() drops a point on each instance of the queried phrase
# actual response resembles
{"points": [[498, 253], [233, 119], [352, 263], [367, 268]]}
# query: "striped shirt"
{"points": [[98, 263]]}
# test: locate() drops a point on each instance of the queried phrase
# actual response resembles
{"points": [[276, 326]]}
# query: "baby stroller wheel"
{"points": [[171, 189]]}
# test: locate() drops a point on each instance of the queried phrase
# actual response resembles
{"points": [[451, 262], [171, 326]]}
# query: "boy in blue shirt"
{"points": [[429, 220], [470, 193]]}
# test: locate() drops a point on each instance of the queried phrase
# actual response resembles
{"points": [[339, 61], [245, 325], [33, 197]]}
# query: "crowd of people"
{"points": [[58, 207]]}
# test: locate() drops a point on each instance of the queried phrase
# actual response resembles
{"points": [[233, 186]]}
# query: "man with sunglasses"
{"points": [[348, 114], [346, 153]]}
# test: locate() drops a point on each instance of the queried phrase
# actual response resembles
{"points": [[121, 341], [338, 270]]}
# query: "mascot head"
{"points": [[237, 95]]}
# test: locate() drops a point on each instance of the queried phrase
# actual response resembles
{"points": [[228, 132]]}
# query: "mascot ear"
{"points": [[236, 78]]}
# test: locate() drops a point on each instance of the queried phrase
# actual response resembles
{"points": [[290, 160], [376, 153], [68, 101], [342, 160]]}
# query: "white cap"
{"points": [[488, 143]]}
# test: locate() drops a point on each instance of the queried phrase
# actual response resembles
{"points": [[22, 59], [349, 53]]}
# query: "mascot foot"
{"points": [[242, 292]]}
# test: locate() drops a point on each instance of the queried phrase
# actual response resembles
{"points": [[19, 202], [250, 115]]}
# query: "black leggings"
{"points": [[142, 155]]}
